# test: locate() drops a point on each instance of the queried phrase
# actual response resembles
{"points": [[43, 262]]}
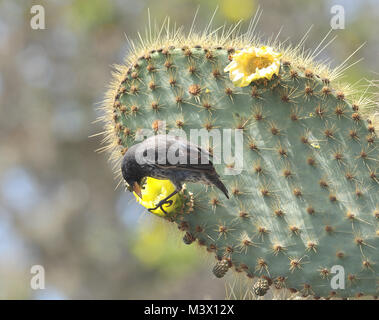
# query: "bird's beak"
{"points": [[137, 189]]}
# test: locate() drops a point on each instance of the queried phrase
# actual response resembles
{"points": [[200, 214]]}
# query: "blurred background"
{"points": [[58, 203]]}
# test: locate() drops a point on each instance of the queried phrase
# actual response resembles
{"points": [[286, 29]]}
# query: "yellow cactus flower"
{"points": [[155, 190], [252, 64]]}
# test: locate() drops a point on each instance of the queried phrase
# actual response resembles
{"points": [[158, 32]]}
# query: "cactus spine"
{"points": [[308, 197]]}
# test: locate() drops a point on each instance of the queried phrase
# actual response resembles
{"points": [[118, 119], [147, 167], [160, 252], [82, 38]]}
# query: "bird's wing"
{"points": [[192, 154]]}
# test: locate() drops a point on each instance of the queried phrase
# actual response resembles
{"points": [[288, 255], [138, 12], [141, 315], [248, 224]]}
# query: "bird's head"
{"points": [[132, 174]]}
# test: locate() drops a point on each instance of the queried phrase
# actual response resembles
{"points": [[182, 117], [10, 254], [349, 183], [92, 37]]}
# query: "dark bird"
{"points": [[169, 157]]}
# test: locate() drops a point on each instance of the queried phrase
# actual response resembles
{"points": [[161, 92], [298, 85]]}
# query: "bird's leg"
{"points": [[164, 201]]}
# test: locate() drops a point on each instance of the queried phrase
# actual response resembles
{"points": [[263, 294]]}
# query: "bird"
{"points": [[168, 157]]}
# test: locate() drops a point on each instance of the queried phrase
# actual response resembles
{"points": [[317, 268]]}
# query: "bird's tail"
{"points": [[215, 179]]}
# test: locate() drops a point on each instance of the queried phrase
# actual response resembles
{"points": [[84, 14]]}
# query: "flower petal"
{"points": [[252, 64], [155, 190]]}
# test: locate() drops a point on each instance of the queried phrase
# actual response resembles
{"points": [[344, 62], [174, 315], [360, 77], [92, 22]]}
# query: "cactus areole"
{"points": [[307, 196]]}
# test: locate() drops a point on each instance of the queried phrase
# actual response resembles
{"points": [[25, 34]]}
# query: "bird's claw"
{"points": [[160, 205]]}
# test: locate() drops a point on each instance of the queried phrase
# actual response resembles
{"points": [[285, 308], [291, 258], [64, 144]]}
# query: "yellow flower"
{"points": [[155, 190], [252, 64]]}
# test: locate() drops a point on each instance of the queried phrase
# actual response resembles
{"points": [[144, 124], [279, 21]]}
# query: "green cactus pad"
{"points": [[308, 196]]}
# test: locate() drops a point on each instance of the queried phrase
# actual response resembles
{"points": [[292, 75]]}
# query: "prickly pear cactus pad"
{"points": [[308, 196]]}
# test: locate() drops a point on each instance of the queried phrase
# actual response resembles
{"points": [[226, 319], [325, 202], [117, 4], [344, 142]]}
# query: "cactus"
{"points": [[261, 287], [308, 196], [221, 268]]}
